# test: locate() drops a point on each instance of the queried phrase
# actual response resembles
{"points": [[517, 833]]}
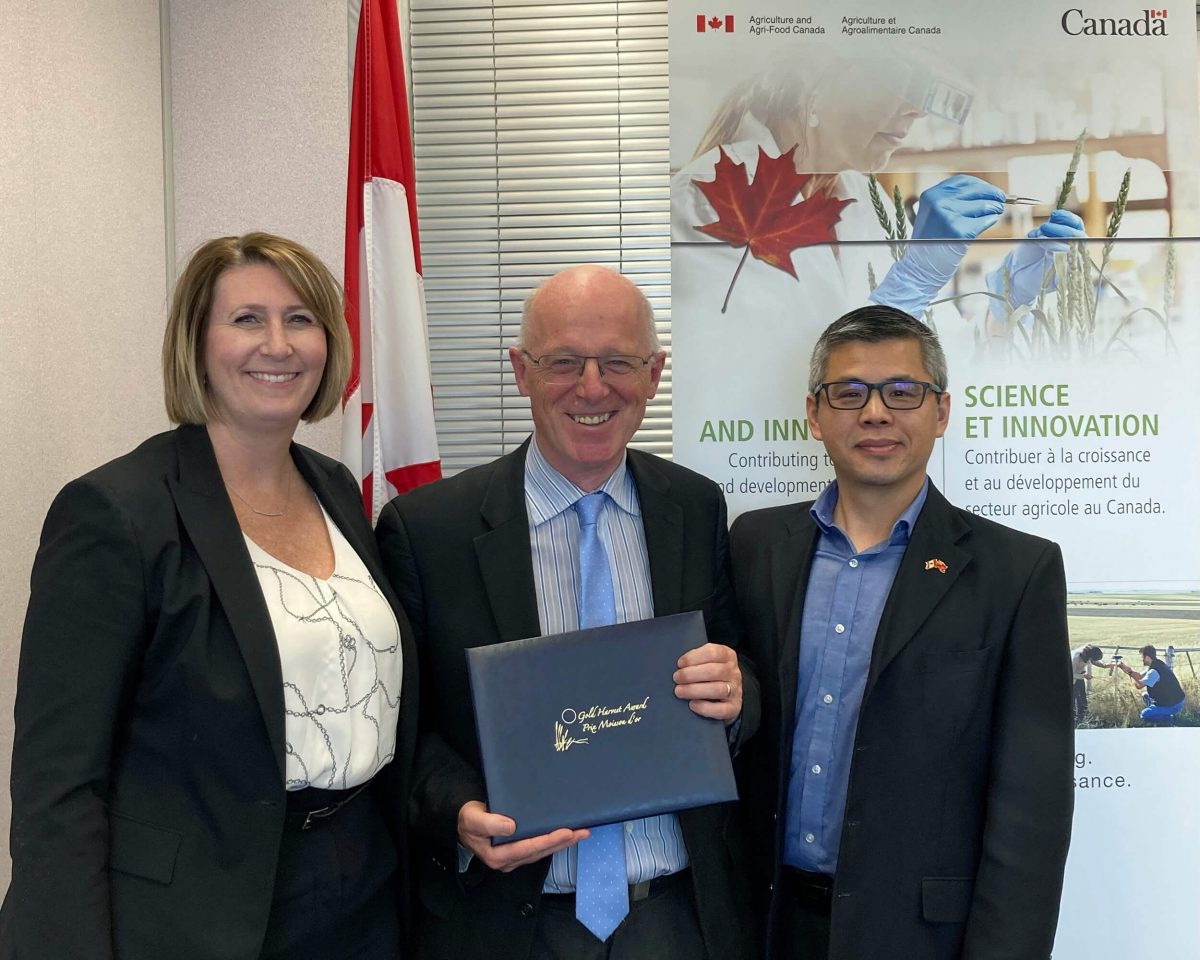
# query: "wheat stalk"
{"points": [[1069, 292], [1069, 180], [1169, 281], [881, 213], [1114, 219], [901, 220], [1081, 276], [1114, 225], [1006, 293], [1089, 293]]}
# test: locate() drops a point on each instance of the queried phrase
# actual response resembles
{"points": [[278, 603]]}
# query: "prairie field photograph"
{"points": [[1120, 624]]}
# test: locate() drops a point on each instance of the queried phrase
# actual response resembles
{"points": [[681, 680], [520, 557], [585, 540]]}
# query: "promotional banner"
{"points": [[1024, 181]]}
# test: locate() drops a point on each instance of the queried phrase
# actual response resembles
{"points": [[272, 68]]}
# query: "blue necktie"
{"points": [[601, 890]]}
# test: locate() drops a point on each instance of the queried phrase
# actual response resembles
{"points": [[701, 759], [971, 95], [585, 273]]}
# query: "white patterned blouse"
{"points": [[339, 649]]}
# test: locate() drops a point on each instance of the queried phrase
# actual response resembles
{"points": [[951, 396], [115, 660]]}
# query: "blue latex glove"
{"points": [[954, 211], [1028, 263]]}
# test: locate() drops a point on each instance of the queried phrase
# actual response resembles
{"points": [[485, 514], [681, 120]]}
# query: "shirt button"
{"points": [[816, 768], [854, 563], [828, 698], [840, 628], [809, 838], [629, 826]]}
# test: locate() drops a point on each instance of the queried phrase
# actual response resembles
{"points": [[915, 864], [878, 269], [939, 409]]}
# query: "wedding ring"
{"points": [[728, 689]]}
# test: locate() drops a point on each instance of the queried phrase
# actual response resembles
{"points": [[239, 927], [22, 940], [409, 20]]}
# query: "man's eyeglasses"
{"points": [[895, 394], [569, 367]]}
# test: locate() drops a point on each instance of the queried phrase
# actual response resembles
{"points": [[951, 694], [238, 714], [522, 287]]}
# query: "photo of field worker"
{"points": [[1160, 688], [1082, 661]]}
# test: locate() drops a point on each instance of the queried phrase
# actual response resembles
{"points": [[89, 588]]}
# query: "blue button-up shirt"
{"points": [[844, 601], [653, 845]]}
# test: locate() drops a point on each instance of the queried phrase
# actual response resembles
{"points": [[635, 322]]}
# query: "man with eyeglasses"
{"points": [[909, 792], [493, 554]]}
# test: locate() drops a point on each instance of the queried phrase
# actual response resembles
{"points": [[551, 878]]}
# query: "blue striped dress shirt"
{"points": [[653, 846], [847, 590]]}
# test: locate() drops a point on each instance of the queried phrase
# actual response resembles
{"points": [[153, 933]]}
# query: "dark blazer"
{"points": [[459, 556], [959, 806], [148, 764]]}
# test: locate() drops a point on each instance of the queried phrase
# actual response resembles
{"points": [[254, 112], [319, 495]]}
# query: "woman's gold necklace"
{"points": [[265, 513]]}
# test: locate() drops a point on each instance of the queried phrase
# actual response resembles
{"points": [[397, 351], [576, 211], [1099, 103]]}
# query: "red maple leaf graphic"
{"points": [[761, 215], [715, 22]]}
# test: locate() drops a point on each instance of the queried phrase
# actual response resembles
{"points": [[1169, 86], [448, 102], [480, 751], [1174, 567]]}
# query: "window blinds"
{"points": [[540, 135]]}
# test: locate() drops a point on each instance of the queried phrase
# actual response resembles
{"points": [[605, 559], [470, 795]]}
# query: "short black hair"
{"points": [[1092, 653], [1149, 651], [874, 324]]}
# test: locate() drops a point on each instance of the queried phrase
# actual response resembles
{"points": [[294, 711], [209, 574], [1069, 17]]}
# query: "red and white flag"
{"points": [[388, 436], [705, 22]]}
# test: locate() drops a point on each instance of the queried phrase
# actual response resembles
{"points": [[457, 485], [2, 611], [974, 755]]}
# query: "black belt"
{"points": [[312, 807], [803, 885], [637, 891]]}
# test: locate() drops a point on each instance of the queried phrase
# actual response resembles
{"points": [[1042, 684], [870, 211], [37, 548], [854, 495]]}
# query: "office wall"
{"points": [[83, 276], [259, 116], [252, 101]]}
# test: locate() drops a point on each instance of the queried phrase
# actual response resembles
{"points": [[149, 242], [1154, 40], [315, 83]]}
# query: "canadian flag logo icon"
{"points": [[719, 24]]}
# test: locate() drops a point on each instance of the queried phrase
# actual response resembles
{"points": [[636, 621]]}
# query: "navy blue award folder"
{"points": [[584, 728]]}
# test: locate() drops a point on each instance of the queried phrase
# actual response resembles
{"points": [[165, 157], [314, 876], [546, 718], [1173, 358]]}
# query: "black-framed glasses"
{"points": [[568, 367], [895, 394]]}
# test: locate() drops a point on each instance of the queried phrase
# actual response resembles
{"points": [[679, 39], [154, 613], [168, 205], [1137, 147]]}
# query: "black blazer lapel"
{"points": [[504, 554], [790, 560], [208, 517], [662, 521], [346, 513], [917, 590]]}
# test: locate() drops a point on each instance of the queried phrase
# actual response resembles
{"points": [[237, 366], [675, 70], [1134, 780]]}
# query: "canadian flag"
{"points": [[388, 436], [724, 23]]}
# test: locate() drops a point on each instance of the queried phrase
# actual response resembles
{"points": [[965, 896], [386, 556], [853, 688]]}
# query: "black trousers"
{"points": [[800, 928], [335, 895], [663, 926]]}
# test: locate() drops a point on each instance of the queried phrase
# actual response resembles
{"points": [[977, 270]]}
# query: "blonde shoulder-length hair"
{"points": [[188, 399]]}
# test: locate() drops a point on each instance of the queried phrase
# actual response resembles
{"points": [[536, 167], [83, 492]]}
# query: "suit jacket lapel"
{"points": [[916, 591], [346, 514], [207, 515], [662, 521], [790, 560], [504, 554]]}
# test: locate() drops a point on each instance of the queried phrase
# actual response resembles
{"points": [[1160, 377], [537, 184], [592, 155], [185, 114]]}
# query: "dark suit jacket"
{"points": [[959, 806], [459, 556], [147, 777]]}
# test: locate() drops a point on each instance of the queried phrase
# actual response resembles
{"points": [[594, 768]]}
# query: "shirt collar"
{"points": [[548, 493], [823, 506]]}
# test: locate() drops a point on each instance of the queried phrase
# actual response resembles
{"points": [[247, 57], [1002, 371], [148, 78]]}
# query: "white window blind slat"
{"points": [[540, 134]]}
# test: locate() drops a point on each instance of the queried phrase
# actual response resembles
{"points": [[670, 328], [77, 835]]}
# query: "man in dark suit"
{"points": [[491, 555], [910, 789]]}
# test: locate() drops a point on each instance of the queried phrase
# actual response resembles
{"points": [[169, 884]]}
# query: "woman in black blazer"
{"points": [[216, 698]]}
